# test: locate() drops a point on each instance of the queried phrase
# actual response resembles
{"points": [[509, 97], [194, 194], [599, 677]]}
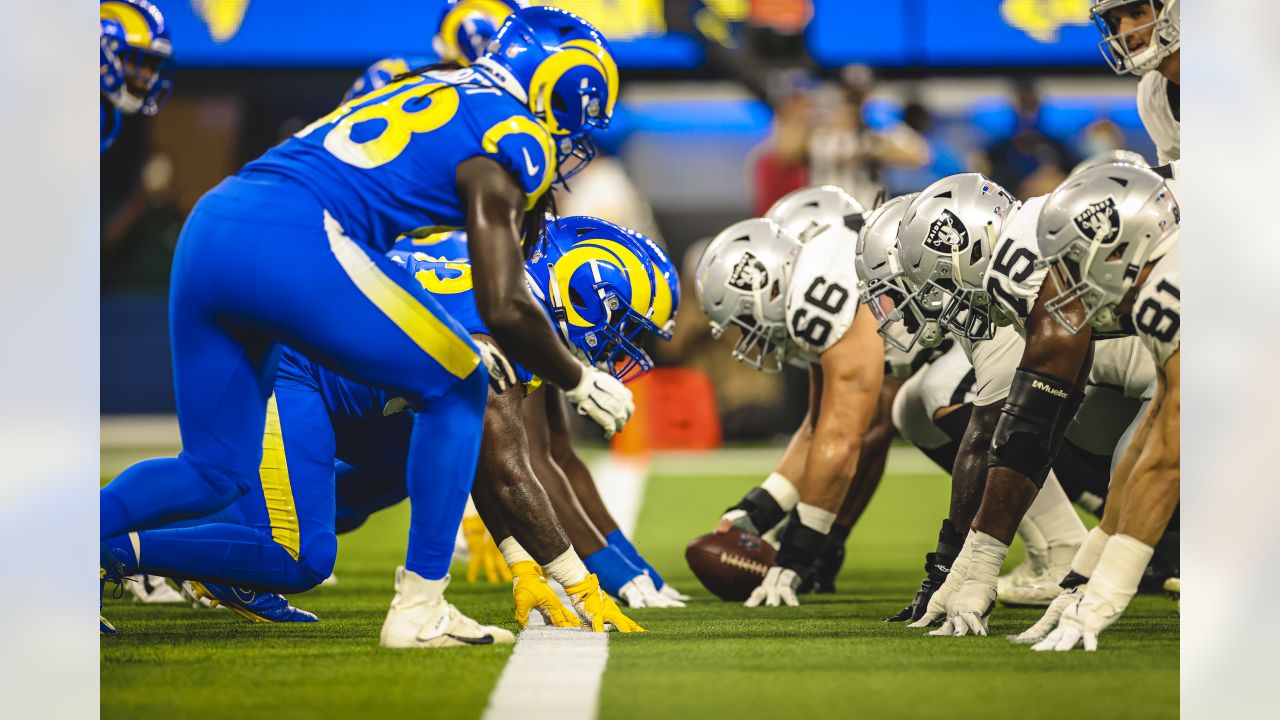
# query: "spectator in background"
{"points": [[138, 239], [944, 158], [1100, 137], [781, 164], [1029, 162], [847, 153]]}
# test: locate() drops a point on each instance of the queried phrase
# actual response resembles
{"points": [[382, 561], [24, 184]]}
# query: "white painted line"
{"points": [[621, 481]]}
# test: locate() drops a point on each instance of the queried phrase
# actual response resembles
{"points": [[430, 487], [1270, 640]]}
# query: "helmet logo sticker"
{"points": [[749, 274], [1100, 222], [947, 234]]}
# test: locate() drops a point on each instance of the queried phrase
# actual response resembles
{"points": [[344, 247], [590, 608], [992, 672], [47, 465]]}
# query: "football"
{"points": [[730, 564]]}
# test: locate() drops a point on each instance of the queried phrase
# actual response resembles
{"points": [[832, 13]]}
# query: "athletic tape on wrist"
{"points": [[1115, 579], [1086, 558], [513, 553], [567, 569], [814, 517], [987, 554]]}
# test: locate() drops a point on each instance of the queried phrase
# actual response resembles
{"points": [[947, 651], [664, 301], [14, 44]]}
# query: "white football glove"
{"points": [[669, 591], [1049, 620], [969, 607], [777, 588], [1080, 624], [501, 374], [601, 397], [937, 609], [639, 592]]}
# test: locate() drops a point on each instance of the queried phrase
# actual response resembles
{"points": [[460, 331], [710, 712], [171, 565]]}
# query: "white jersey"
{"points": [[1158, 116], [823, 296], [1157, 311], [1012, 279], [994, 363]]}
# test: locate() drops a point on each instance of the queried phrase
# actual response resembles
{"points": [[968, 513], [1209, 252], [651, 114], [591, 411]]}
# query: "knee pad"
{"points": [[1032, 424]]}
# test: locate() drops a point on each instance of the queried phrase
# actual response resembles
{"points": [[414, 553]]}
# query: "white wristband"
{"points": [[512, 552], [1086, 558], [567, 569], [815, 518], [782, 490], [987, 554], [1115, 579]]}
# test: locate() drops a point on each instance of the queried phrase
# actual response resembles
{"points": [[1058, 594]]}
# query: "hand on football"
{"points": [[777, 588], [485, 555], [532, 593], [596, 609]]}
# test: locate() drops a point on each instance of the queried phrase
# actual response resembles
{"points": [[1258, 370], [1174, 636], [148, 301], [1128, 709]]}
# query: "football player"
{"points": [[1142, 37], [1026, 431], [477, 147], [284, 536], [793, 302], [1124, 275], [135, 63]]}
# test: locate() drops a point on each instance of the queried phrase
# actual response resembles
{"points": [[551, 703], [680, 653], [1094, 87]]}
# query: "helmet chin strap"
{"points": [[557, 304]]}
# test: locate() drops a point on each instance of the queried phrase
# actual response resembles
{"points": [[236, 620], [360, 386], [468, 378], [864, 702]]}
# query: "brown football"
{"points": [[730, 564]]}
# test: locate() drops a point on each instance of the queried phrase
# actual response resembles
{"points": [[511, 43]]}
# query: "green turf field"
{"points": [[830, 657]]}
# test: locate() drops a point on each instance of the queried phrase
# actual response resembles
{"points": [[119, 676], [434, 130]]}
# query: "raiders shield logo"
{"points": [[947, 235], [749, 274], [1100, 221]]}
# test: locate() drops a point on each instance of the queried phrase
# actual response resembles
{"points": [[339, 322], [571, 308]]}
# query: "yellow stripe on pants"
{"points": [[436, 338], [274, 474]]}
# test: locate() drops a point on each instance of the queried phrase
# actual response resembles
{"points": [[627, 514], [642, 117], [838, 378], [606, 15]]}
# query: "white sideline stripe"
{"points": [[555, 673]]}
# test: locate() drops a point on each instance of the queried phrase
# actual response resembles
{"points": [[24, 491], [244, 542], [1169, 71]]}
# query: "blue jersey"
{"points": [[385, 164], [446, 245], [381, 73]]}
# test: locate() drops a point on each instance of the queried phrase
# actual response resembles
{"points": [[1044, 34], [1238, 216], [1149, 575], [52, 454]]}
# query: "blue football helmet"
{"points": [[467, 26], [566, 70], [597, 284], [666, 288], [135, 55]]}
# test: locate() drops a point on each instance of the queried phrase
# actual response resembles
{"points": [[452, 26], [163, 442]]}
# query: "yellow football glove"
{"points": [[484, 552], [595, 608], [532, 592]]}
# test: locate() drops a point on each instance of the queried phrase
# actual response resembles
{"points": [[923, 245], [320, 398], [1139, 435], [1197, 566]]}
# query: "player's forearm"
{"points": [[1153, 488], [1117, 493], [560, 448], [969, 474], [522, 331], [573, 517]]}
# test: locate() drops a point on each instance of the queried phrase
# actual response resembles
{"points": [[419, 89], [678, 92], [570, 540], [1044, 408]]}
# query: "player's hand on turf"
{"points": [[1081, 624], [639, 592], [485, 556], [601, 397], [969, 607], [532, 593], [670, 592], [937, 608], [596, 609], [501, 373], [1049, 620], [778, 588]]}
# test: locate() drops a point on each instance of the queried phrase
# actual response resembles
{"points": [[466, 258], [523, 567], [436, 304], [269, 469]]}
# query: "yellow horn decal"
{"points": [[549, 72], [642, 290], [517, 124], [495, 11], [136, 30], [567, 265], [606, 61], [661, 300]]}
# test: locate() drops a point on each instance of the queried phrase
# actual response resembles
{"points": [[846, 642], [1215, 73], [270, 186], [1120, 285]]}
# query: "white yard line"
{"points": [[555, 673]]}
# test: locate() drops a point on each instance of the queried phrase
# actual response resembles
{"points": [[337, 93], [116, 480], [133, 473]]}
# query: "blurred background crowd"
{"points": [[726, 106]]}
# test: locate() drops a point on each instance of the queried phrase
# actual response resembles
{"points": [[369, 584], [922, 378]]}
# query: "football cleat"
{"points": [[105, 627], [936, 567], [198, 602], [152, 589], [1028, 588], [249, 604], [420, 617], [1173, 585]]}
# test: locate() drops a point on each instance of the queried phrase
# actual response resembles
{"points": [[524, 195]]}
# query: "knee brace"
{"points": [[1032, 424]]}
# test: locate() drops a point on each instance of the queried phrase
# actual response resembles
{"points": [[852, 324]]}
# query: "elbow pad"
{"points": [[1027, 434]]}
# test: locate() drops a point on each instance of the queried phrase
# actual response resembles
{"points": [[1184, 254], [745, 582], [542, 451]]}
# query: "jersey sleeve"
{"points": [[1157, 312], [525, 148], [822, 299], [1012, 279]]}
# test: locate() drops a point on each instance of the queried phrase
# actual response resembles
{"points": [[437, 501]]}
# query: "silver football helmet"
{"points": [[808, 211], [742, 280], [1122, 157], [881, 280], [1146, 57], [945, 242], [1096, 232]]}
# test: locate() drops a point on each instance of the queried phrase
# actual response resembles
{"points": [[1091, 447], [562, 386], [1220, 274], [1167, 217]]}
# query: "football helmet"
{"points": [[596, 283], [467, 26], [135, 56], [742, 280], [666, 288], [1115, 46], [1096, 232], [881, 280], [563, 69], [806, 212], [945, 242], [1123, 157]]}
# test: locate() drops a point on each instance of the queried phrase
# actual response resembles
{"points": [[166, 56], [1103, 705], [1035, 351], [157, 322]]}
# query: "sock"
{"points": [[816, 518], [612, 568], [617, 539], [1055, 517]]}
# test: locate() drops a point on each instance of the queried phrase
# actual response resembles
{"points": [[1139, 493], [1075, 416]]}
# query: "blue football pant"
{"points": [[260, 263]]}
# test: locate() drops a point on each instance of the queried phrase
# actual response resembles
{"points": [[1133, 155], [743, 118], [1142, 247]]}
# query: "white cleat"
{"points": [[1040, 589], [420, 617], [329, 581], [152, 589]]}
